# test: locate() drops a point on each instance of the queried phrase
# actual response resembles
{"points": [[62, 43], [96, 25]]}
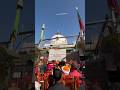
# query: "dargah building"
{"points": [[57, 48]]}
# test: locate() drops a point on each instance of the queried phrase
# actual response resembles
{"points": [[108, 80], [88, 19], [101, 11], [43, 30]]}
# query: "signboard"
{"points": [[57, 54]]}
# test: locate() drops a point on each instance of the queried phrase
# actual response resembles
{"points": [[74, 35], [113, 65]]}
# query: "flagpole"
{"points": [[114, 7], [16, 23], [82, 35]]}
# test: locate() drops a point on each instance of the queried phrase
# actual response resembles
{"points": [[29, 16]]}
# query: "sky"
{"points": [[45, 13]]}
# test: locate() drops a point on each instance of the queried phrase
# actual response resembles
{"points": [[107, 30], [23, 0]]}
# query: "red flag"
{"points": [[113, 4], [80, 21]]}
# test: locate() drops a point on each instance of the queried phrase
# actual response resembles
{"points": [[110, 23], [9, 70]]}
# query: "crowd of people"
{"points": [[58, 75]]}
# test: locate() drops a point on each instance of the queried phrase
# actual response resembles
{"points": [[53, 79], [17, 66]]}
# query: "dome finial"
{"points": [[57, 33]]}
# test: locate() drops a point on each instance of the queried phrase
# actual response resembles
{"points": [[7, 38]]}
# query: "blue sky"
{"points": [[46, 10]]}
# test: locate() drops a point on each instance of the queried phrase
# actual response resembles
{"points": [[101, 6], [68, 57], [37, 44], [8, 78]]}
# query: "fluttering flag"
{"points": [[82, 32], [80, 20]]}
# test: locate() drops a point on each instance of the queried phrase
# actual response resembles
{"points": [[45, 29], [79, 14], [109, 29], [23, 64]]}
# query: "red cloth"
{"points": [[69, 80], [76, 73], [80, 21], [50, 66], [114, 5], [36, 70]]}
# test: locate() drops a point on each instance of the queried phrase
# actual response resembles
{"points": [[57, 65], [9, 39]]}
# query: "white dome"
{"points": [[57, 35], [58, 39]]}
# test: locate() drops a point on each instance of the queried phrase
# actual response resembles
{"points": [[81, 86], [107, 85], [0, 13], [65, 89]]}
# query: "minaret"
{"points": [[42, 35]]}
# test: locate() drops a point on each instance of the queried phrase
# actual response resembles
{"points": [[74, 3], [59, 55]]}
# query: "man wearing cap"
{"points": [[57, 74]]}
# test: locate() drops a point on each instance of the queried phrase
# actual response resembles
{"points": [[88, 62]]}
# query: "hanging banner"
{"points": [[57, 54]]}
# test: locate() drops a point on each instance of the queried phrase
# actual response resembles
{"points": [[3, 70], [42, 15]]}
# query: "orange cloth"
{"points": [[66, 68]]}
